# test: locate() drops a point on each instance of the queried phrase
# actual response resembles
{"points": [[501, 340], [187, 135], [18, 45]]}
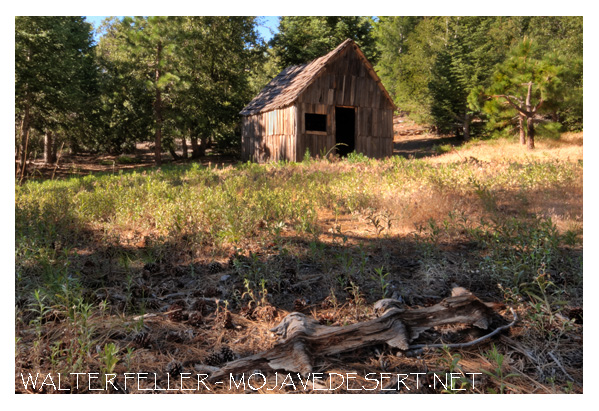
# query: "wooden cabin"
{"points": [[336, 102]]}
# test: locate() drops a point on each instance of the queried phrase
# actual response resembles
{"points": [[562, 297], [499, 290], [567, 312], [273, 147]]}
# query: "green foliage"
{"points": [[125, 112], [355, 158], [40, 309], [436, 67], [55, 78], [256, 293], [498, 373], [526, 64], [550, 130], [451, 365], [465, 62], [109, 358], [380, 275], [126, 160], [413, 69], [164, 79], [304, 38], [217, 84], [527, 82], [185, 76], [562, 37], [380, 221], [442, 148], [307, 157], [51, 58], [545, 302], [391, 34]]}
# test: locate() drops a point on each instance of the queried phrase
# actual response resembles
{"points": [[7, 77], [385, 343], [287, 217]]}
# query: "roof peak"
{"points": [[286, 87]]}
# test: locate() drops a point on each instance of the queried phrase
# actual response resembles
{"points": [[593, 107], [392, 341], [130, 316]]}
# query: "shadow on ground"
{"points": [[423, 145]]}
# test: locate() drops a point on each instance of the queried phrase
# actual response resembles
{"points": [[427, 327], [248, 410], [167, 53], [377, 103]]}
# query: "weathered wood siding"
{"points": [[269, 136], [346, 81], [314, 141]]}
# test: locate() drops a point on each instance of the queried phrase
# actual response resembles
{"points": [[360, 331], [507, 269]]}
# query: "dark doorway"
{"points": [[345, 134]]}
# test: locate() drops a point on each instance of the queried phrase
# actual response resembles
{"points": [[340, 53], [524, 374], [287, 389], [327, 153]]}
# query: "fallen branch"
{"points": [[470, 343], [156, 315], [303, 340], [559, 364]]}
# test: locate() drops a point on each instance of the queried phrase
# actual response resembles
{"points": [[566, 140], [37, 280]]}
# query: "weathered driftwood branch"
{"points": [[302, 340], [473, 342]]}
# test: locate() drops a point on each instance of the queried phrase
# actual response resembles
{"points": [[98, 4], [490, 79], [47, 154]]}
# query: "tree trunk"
{"points": [[49, 149], [530, 141], [555, 117], [195, 149], [158, 136], [19, 142], [158, 110], [528, 96], [184, 147], [466, 127], [24, 141], [173, 153], [203, 146], [521, 120]]}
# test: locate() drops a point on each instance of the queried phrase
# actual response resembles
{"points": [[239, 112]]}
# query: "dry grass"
{"points": [[172, 266], [567, 148]]}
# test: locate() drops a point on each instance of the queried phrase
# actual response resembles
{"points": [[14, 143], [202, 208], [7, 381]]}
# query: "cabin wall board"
{"points": [[269, 136]]}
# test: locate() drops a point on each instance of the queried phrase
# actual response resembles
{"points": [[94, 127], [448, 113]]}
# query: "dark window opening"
{"points": [[316, 122], [345, 135]]}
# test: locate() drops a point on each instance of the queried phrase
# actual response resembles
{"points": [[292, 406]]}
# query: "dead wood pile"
{"points": [[302, 340]]}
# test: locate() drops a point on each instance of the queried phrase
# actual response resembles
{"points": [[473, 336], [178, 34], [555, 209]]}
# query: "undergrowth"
{"points": [[95, 254]]}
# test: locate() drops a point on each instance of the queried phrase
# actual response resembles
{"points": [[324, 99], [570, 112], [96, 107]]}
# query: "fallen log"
{"points": [[303, 340]]}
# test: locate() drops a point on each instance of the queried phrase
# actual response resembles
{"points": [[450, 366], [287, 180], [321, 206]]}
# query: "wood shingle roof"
{"points": [[287, 86]]}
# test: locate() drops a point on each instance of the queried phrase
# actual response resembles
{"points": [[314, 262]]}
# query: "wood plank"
{"points": [[370, 94], [359, 92], [353, 91], [359, 144], [293, 133], [374, 122]]}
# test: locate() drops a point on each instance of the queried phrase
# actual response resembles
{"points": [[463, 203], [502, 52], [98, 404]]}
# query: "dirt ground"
{"points": [[87, 163], [411, 140]]}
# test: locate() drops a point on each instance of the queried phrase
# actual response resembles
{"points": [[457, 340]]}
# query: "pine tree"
{"points": [[465, 63], [391, 34], [152, 44], [410, 64], [562, 37], [125, 109], [304, 38], [526, 82], [214, 61], [53, 73], [184, 78]]}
